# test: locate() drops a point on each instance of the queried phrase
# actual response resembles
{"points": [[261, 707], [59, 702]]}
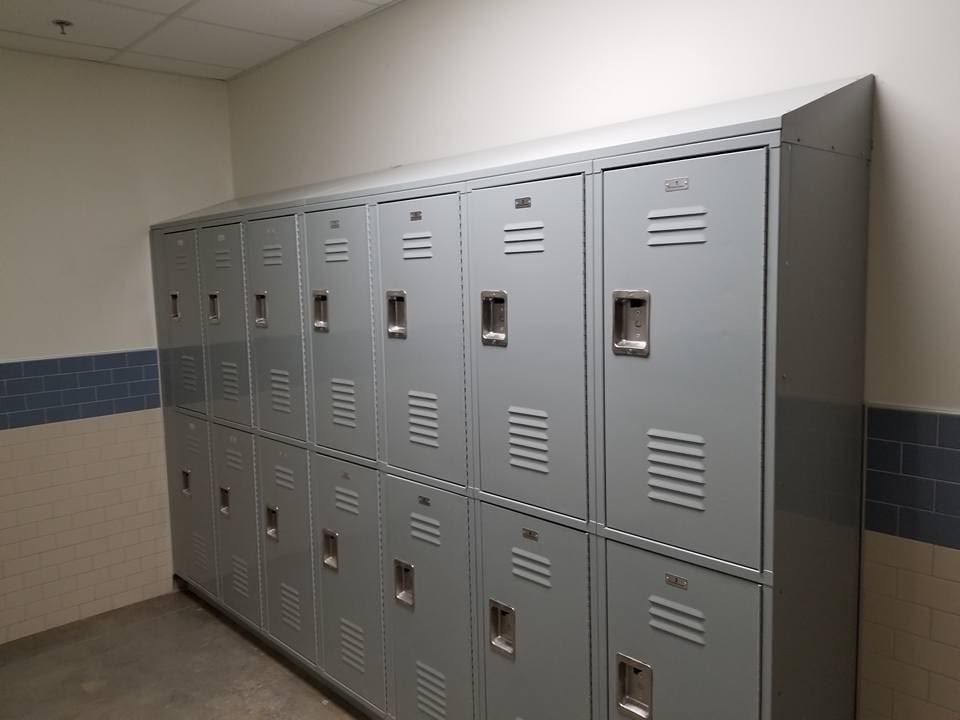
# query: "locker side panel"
{"points": [[427, 580], [161, 307], [223, 298], [273, 264], [338, 327], [684, 642], [183, 303], [528, 306], [422, 316], [536, 618], [285, 518], [236, 519], [347, 512]]}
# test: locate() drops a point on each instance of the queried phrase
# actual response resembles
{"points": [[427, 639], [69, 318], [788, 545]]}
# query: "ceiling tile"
{"points": [[212, 44], [171, 65], [94, 23], [298, 19], [29, 43], [158, 6]]}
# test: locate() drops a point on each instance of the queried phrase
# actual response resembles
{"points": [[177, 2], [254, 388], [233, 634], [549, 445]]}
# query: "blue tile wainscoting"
{"points": [[913, 475], [34, 392]]}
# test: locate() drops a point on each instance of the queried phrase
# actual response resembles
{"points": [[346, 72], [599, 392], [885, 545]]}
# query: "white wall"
{"points": [[90, 156], [427, 78]]}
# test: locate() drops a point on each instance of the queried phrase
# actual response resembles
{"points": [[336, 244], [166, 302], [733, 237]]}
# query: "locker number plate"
{"points": [[674, 184], [677, 581]]}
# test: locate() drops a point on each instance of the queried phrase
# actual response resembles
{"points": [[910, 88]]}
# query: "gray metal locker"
{"points": [[536, 618], [684, 642], [527, 298], [236, 516], [348, 523], [223, 300], [183, 313], [191, 512], [339, 318], [684, 288], [273, 264], [287, 557], [427, 579], [422, 320]]}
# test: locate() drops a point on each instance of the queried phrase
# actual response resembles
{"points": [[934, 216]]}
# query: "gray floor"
{"points": [[170, 657]]}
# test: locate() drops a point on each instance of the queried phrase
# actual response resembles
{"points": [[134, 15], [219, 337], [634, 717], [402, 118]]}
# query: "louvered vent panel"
{"points": [[532, 567], [201, 555], [529, 439], [284, 477], [675, 470], [431, 692], [423, 415], [523, 237], [192, 443], [188, 373], [290, 606], [240, 576], [343, 402], [234, 459], [347, 500], [425, 528], [682, 621], [272, 255], [181, 261], [336, 250], [280, 396], [352, 645], [222, 259], [677, 226], [230, 381], [417, 246]]}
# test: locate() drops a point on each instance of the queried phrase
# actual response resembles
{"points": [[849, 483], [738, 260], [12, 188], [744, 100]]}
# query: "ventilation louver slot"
{"points": [[677, 226], [290, 606], [417, 246], [347, 500], [676, 469], [188, 373], [230, 381], [272, 255], [529, 439], [201, 556], [425, 528], [234, 459], [192, 443], [680, 620], [283, 477], [532, 567], [181, 262], [431, 692], [523, 237], [336, 250], [343, 402], [352, 645], [240, 576], [423, 416], [280, 397], [222, 259]]}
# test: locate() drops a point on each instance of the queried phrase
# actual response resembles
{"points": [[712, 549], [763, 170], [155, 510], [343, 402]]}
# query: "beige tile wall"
{"points": [[84, 524], [910, 630]]}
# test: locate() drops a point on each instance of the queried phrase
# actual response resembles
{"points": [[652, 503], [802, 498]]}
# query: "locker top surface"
{"points": [[833, 115]]}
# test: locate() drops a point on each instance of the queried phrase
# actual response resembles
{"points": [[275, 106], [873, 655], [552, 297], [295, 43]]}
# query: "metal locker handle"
{"points": [[403, 587], [175, 305], [225, 501], [634, 688], [397, 314], [331, 549], [213, 307], [260, 309], [321, 319], [493, 320], [273, 522], [185, 482], [503, 629], [631, 322]]}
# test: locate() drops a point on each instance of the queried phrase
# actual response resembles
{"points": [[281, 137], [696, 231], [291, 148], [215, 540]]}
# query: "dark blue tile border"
{"points": [[912, 475], [34, 392]]}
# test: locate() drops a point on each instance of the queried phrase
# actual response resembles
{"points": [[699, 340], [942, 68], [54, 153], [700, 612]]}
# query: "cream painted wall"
{"points": [[90, 156], [428, 78]]}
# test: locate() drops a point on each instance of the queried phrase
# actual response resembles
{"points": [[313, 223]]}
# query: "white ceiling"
{"points": [[203, 38]]}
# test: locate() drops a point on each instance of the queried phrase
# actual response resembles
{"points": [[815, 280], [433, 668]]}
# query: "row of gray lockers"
{"points": [[290, 541]]}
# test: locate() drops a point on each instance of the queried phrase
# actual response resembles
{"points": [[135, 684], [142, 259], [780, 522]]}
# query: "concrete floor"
{"points": [[170, 657]]}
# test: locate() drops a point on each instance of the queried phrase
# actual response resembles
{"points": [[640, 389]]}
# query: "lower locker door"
{"points": [[427, 576], [288, 574], [236, 520], [684, 642], [536, 618], [347, 516]]}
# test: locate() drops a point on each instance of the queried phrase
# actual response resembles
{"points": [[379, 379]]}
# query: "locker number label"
{"points": [[522, 203], [674, 184], [416, 215], [423, 500], [677, 581], [334, 224], [531, 534]]}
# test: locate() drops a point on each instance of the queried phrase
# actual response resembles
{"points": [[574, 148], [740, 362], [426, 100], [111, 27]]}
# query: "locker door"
{"points": [[287, 566], [349, 541], [190, 503], [275, 325], [225, 320], [427, 579], [527, 285], [684, 288], [536, 618], [183, 311], [236, 519], [422, 311], [684, 642], [338, 323]]}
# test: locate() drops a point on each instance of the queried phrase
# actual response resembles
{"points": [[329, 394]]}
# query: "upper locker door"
{"points": [[224, 310], [527, 286], [684, 286], [338, 324], [276, 325], [422, 312], [185, 334]]}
